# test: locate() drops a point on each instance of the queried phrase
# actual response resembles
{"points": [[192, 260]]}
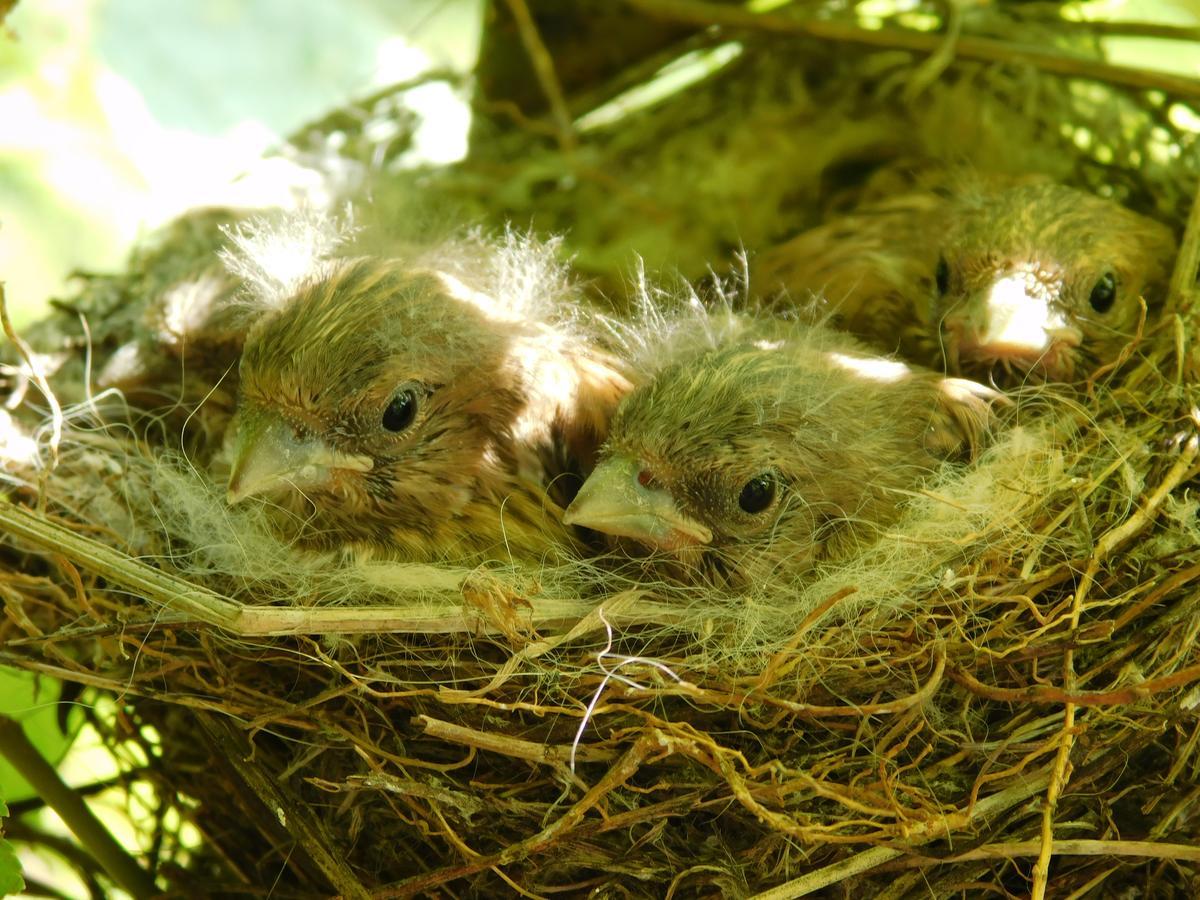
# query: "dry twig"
{"points": [[967, 47]]}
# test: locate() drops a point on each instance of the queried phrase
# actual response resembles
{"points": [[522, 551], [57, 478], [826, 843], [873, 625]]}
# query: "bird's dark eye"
{"points": [[757, 493], [942, 275], [400, 411], [1104, 293]]}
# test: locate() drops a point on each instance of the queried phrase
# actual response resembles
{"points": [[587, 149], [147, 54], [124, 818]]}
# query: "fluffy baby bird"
{"points": [[1045, 280], [990, 277], [761, 447], [391, 406]]}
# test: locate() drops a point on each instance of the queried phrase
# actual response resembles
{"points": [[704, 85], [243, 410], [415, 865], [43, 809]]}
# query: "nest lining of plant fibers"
{"points": [[1003, 684]]}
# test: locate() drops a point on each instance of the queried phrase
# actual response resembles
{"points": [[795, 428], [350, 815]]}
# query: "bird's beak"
{"points": [[1008, 321], [614, 501], [268, 455]]}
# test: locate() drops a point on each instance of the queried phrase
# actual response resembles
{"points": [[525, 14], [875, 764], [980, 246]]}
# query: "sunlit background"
{"points": [[115, 115]]}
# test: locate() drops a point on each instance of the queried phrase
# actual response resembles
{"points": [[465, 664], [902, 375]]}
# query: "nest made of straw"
{"points": [[1000, 693]]}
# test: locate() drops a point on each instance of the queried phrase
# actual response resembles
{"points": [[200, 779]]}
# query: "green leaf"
{"points": [[11, 881], [32, 701]]}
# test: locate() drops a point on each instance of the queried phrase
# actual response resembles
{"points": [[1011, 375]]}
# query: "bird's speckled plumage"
{"points": [[871, 272], [987, 277], [842, 435], [1055, 245], [498, 401]]}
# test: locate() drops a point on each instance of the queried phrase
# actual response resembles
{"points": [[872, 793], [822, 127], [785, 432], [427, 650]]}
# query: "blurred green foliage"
{"points": [[10, 869], [117, 115], [33, 701]]}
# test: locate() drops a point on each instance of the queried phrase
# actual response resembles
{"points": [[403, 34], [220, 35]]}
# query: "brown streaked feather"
{"points": [[847, 434], [504, 404], [871, 272], [875, 270]]}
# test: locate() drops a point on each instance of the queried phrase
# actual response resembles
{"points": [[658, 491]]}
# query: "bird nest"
{"points": [[1001, 691]]}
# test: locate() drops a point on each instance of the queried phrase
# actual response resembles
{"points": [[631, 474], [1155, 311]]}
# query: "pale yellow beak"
{"points": [[615, 502], [268, 456], [1009, 322]]}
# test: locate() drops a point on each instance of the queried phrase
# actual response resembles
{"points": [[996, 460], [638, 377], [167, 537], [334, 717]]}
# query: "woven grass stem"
{"points": [[1109, 541]]}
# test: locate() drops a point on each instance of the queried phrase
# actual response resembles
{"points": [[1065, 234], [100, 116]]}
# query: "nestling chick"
{"points": [[163, 333], [763, 447], [989, 278], [396, 408], [1045, 280]]}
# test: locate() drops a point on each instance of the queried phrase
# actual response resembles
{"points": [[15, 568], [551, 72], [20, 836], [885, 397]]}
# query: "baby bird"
{"points": [[395, 408], [1045, 280], [761, 447], [991, 277]]}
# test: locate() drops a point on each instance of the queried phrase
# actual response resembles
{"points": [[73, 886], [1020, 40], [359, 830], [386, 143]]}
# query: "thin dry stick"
{"points": [[543, 68], [648, 745], [200, 605], [507, 745], [187, 603], [850, 710], [1117, 29], [174, 593], [296, 819], [593, 621], [1187, 263], [726, 763], [786, 658], [921, 834], [1172, 584], [1045, 693], [1139, 849], [974, 48]]}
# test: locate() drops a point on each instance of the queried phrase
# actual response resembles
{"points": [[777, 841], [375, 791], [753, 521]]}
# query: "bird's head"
{"points": [[688, 463], [1045, 281], [372, 404], [752, 459]]}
